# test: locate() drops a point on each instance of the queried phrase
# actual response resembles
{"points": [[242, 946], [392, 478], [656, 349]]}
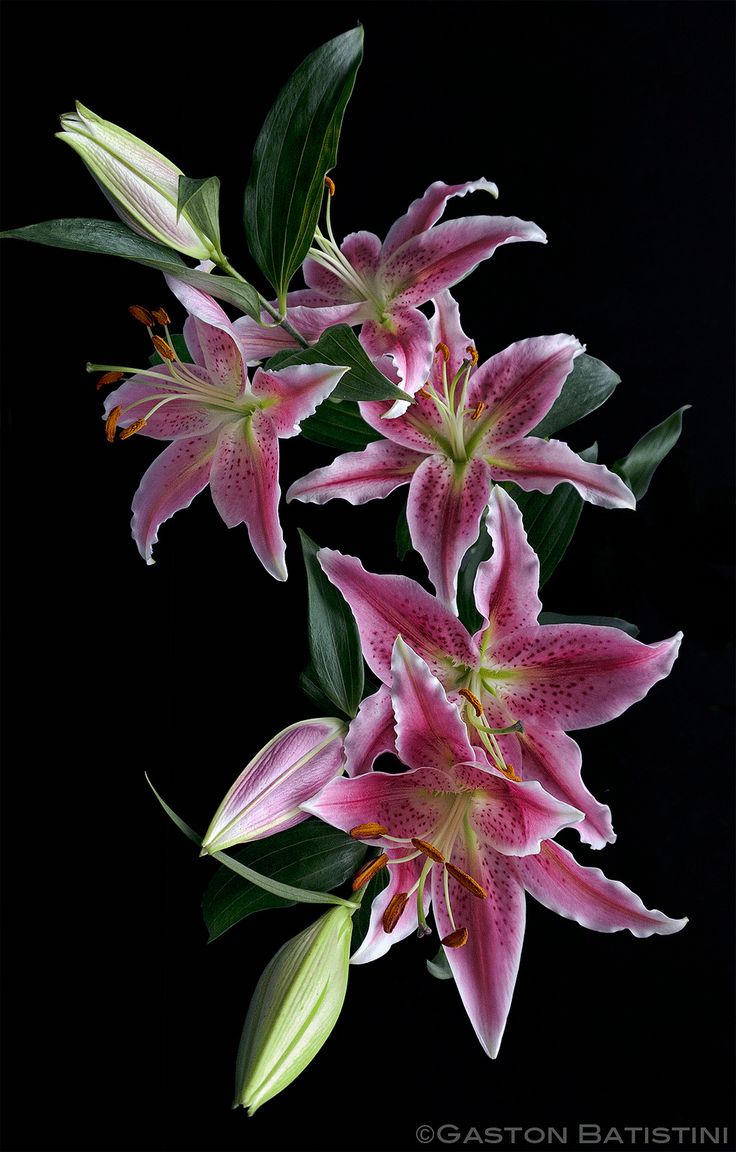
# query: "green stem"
{"points": [[267, 307]]}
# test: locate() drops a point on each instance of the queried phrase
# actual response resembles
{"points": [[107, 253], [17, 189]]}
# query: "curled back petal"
{"points": [[170, 484]]}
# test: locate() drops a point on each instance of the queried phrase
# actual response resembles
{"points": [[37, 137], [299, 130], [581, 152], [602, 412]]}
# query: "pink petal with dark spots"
{"points": [[407, 341], [407, 804], [427, 209], [555, 760], [506, 586], [437, 259], [266, 797], [540, 465], [555, 879], [176, 419], [402, 878], [371, 733], [245, 487], [359, 476], [420, 428], [447, 330], [295, 393], [444, 510], [485, 969], [214, 339], [171, 483], [388, 606], [429, 730], [577, 675]]}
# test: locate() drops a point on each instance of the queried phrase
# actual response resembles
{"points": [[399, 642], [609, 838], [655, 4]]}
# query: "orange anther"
{"points": [[428, 850], [368, 871], [330, 184], [111, 423], [478, 409], [473, 354], [472, 699], [141, 314], [394, 910], [161, 316], [108, 378], [132, 429], [456, 939], [444, 351], [423, 392], [165, 351], [469, 884], [368, 831]]}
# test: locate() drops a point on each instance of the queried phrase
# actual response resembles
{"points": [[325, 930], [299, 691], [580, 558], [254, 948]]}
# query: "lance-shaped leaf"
{"points": [[201, 201], [338, 424], [266, 797], [588, 386], [334, 643], [295, 149], [110, 238], [638, 468], [312, 856], [340, 347], [595, 621], [439, 967]]}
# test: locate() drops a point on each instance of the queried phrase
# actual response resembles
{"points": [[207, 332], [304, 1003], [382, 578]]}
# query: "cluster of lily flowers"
{"points": [[485, 772]]}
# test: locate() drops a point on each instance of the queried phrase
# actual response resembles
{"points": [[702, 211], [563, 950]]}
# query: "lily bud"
{"points": [[140, 183], [294, 1008], [268, 794]]}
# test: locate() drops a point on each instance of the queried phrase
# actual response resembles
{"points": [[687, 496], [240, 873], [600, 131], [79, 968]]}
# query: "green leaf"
{"points": [[438, 966], [403, 535], [474, 556], [638, 468], [200, 199], [111, 238], [550, 521], [295, 149], [588, 386], [340, 346], [338, 424], [309, 856], [188, 832], [362, 918], [276, 888], [598, 621], [334, 643], [310, 687]]}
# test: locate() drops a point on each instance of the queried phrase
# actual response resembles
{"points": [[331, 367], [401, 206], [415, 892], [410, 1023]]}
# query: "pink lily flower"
{"points": [[467, 429], [548, 678], [224, 428], [477, 838], [381, 285]]}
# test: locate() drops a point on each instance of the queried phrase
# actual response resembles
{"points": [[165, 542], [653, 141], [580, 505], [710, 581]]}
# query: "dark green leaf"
{"points": [[334, 643], [180, 348], [111, 238], [474, 556], [403, 535], [639, 466], [200, 199], [311, 856], [438, 966], [588, 386], [598, 621], [341, 347], [338, 424], [362, 918], [310, 687], [295, 150], [550, 521]]}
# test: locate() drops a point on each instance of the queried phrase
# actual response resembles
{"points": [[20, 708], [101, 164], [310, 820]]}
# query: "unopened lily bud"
{"points": [[140, 183], [268, 793], [295, 1006]]}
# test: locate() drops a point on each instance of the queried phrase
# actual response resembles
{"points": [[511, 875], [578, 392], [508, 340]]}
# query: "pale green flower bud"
{"points": [[140, 183], [294, 1008]]}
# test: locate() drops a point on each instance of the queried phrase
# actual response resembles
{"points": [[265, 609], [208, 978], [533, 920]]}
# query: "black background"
{"points": [[609, 124]]}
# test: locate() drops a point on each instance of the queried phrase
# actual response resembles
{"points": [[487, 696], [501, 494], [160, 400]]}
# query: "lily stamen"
{"points": [[164, 349], [132, 429], [472, 699], [161, 317], [108, 378], [443, 351], [456, 939], [111, 423], [365, 874], [368, 831], [428, 850], [142, 315], [330, 185], [466, 881], [394, 911], [480, 407]]}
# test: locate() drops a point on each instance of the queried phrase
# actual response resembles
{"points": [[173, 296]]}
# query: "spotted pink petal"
{"points": [[507, 584], [576, 675], [245, 486], [434, 260], [371, 733], [557, 881], [444, 510], [519, 386], [447, 329], [512, 817], [554, 759], [407, 804], [175, 419], [388, 606], [362, 250], [427, 209], [211, 337], [485, 969], [540, 465], [359, 476], [266, 797], [429, 730], [402, 878], [171, 483], [295, 393], [420, 428], [408, 343]]}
